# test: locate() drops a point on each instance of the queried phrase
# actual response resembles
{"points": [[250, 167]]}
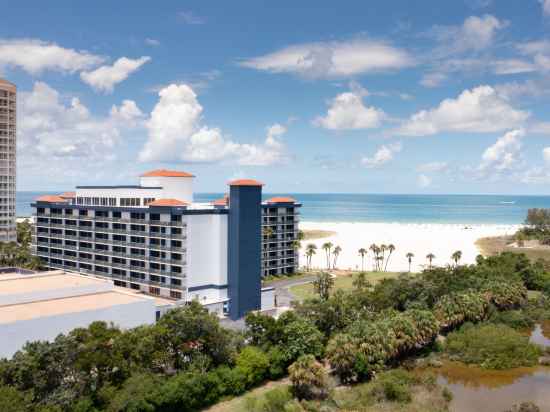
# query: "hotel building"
{"points": [[7, 160], [152, 237]]}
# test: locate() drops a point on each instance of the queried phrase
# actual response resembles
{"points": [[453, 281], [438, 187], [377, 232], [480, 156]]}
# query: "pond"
{"points": [[476, 389]]}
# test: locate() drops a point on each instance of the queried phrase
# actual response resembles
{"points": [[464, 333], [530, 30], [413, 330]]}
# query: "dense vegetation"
{"points": [[18, 254], [492, 346], [187, 361]]}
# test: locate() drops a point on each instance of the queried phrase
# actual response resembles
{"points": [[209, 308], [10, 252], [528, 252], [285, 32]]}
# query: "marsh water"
{"points": [[476, 389]]}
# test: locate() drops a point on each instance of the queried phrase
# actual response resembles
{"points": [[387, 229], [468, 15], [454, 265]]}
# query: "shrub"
{"points": [[136, 394], [253, 364], [11, 400], [492, 347], [277, 363], [393, 386], [309, 378], [231, 380], [516, 319], [274, 400]]}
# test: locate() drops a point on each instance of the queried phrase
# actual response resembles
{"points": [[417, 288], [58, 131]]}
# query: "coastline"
{"points": [[441, 239]]}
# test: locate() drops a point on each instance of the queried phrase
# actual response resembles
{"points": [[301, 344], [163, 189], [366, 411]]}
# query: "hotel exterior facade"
{"points": [[152, 237], [8, 96]]}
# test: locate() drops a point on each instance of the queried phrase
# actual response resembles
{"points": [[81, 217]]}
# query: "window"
{"points": [[117, 215], [175, 282], [154, 291], [174, 294], [134, 286]]}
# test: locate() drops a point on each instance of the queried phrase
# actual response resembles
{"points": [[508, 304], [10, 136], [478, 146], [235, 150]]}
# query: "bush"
{"points": [[516, 319], [253, 364], [309, 378], [393, 386], [136, 394], [301, 337], [492, 347], [274, 400], [11, 400]]}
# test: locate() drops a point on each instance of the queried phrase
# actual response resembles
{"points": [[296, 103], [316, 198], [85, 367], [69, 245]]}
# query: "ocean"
{"points": [[394, 208]]}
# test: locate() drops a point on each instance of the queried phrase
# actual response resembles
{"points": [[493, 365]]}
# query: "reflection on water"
{"points": [[476, 389]]}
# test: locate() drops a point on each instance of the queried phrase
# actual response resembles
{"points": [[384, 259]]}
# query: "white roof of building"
{"points": [[52, 307], [10, 284]]}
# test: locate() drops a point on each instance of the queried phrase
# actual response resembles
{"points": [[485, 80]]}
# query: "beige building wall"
{"points": [[8, 147]]}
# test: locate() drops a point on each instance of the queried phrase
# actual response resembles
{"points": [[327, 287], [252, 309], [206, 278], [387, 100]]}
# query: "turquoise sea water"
{"points": [[468, 209]]}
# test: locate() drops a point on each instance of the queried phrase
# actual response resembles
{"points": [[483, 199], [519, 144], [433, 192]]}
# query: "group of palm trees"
{"points": [[331, 252], [380, 259]]}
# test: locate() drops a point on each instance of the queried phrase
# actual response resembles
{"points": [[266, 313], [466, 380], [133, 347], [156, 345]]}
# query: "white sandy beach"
{"points": [[420, 239]]}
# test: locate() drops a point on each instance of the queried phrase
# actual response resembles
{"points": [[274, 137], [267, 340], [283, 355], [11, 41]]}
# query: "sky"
{"points": [[311, 96]]}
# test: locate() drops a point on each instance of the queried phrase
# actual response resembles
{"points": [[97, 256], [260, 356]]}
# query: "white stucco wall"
{"points": [[207, 255], [172, 187], [15, 335], [121, 192]]}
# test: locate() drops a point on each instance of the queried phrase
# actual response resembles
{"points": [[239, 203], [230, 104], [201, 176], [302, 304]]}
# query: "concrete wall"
{"points": [[15, 335], [121, 192]]}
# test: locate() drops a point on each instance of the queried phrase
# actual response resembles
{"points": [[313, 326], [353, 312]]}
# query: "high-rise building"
{"points": [[154, 238], [7, 160]]}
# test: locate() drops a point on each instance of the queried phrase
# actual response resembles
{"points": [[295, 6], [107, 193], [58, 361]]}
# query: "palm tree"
{"points": [[311, 249], [336, 253], [374, 249], [456, 257], [296, 245], [362, 253], [391, 248], [383, 249], [409, 258], [327, 247], [379, 261], [430, 257]]}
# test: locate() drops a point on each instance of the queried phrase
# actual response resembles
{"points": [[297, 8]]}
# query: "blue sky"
{"points": [[368, 97]]}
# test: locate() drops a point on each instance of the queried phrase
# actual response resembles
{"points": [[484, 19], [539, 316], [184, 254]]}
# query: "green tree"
{"points": [[409, 256], [323, 284], [311, 249], [362, 252], [390, 248], [456, 257], [430, 257], [11, 400], [253, 364], [336, 253], [327, 247], [300, 337], [309, 378]]}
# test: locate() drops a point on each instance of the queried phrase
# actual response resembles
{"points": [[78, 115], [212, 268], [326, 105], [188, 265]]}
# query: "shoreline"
{"points": [[441, 239]]}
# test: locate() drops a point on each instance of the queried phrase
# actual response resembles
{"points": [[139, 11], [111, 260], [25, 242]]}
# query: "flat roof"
{"points": [[52, 307], [120, 187], [10, 285]]}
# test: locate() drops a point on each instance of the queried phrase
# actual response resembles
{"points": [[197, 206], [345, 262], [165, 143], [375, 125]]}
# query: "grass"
{"points": [[317, 234], [490, 246], [344, 282]]}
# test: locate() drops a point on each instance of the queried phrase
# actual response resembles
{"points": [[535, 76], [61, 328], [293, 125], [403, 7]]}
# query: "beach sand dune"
{"points": [[420, 239]]}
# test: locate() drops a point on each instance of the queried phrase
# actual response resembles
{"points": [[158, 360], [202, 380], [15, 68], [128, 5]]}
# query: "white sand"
{"points": [[420, 239]]}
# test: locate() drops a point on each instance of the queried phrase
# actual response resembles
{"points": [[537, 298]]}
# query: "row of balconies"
{"points": [[110, 219], [128, 265], [117, 276]]}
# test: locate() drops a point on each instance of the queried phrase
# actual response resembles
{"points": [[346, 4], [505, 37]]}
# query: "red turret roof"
{"points": [[166, 173], [245, 182]]}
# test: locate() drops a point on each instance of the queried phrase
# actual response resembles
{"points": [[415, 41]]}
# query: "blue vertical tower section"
{"points": [[244, 246]]}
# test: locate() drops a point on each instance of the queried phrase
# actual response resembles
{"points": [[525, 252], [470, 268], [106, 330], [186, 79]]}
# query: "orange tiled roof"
{"points": [[281, 200], [166, 173], [67, 195], [50, 199], [168, 202], [245, 182], [221, 202]]}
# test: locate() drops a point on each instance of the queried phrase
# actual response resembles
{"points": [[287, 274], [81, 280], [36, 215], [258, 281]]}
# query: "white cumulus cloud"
{"points": [[333, 59], [504, 154], [53, 130], [35, 56], [478, 110], [347, 112], [176, 133], [106, 77], [383, 155]]}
